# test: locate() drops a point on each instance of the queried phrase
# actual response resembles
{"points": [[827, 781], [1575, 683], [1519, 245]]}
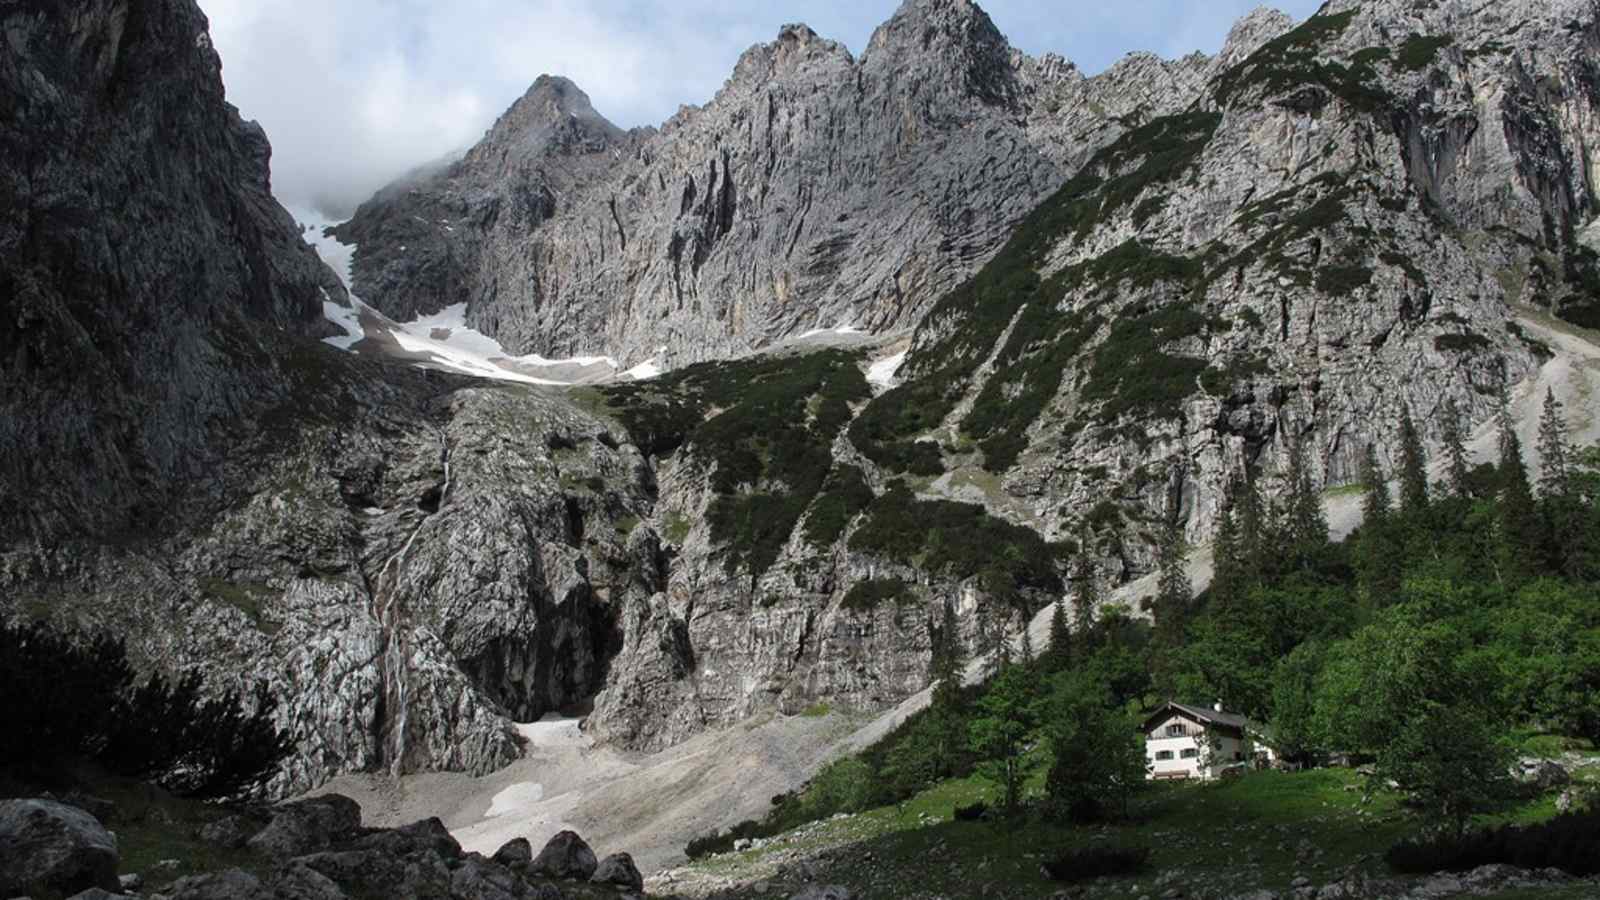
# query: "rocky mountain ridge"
{"points": [[814, 190], [1177, 269]]}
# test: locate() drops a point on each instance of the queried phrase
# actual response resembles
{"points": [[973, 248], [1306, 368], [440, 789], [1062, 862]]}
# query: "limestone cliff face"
{"points": [[139, 250], [814, 190]]}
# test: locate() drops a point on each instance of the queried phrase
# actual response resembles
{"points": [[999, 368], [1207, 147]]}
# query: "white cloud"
{"points": [[355, 92]]}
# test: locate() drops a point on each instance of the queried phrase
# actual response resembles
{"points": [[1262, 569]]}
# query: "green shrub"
{"points": [[1461, 343], [845, 496], [1292, 60], [1419, 51], [972, 813], [769, 443], [959, 540], [1337, 281], [1089, 863], [865, 596], [1569, 842], [843, 786]]}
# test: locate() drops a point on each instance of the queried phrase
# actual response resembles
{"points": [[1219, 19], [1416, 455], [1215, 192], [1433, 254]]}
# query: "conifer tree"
{"points": [[1565, 539], [1085, 603], [1377, 553], [1058, 656], [947, 664], [1173, 593], [1413, 467], [1255, 549], [1173, 589], [1228, 566], [1554, 477], [946, 713], [1517, 525], [1307, 525], [1454, 433], [1375, 500], [1027, 643]]}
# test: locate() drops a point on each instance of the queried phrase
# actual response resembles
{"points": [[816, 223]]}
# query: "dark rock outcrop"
{"points": [[53, 849], [516, 850], [565, 856], [300, 827], [619, 871]]}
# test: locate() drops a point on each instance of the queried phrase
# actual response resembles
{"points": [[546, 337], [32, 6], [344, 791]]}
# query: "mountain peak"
{"points": [[554, 116], [1259, 26], [795, 46], [926, 35]]}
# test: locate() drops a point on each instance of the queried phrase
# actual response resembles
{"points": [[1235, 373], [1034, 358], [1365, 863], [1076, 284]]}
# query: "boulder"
{"points": [[1541, 774], [99, 894], [565, 856], [231, 832], [230, 884], [381, 873], [480, 879], [426, 836], [51, 848], [297, 881], [516, 850], [618, 870], [307, 827]]}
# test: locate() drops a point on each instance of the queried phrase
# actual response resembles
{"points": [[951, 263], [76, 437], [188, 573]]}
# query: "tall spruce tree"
{"points": [[1085, 604], [1377, 552], [1565, 539], [1554, 454], [946, 713], [1454, 433], [1256, 553], [1307, 525], [1517, 522], [1173, 593], [1375, 500], [1227, 551], [1027, 643], [1413, 467], [1058, 656]]}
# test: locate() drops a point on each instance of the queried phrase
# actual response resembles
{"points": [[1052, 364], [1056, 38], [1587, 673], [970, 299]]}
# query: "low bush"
{"points": [[1570, 842], [973, 813], [865, 596], [1089, 863]]}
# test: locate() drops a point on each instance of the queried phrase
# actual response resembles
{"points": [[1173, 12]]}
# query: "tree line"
{"points": [[70, 698], [1463, 610]]}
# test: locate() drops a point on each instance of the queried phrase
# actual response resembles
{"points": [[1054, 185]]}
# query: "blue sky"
{"points": [[355, 92]]}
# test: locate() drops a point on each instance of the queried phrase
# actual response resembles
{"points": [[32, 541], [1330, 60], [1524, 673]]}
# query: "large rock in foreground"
{"points": [[52, 849]]}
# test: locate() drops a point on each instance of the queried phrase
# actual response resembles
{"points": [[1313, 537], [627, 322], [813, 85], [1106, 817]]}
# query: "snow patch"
{"points": [[643, 371], [347, 318], [846, 328], [442, 339], [514, 798], [882, 372]]}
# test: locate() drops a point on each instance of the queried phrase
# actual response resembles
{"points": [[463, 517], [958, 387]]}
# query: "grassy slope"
{"points": [[1261, 831]]}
